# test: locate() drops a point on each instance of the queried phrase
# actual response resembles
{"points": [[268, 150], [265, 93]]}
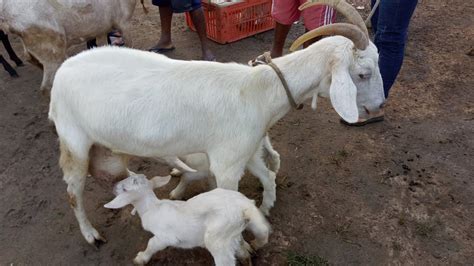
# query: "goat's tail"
{"points": [[258, 225], [144, 7]]}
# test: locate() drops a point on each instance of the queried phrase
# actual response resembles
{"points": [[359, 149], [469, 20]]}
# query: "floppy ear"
{"points": [[120, 201], [159, 181], [343, 92]]}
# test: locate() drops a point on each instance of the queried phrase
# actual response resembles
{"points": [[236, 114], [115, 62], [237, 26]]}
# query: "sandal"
{"points": [[160, 50], [363, 122]]}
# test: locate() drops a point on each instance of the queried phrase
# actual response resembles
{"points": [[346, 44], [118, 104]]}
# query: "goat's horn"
{"points": [[344, 8], [347, 30]]}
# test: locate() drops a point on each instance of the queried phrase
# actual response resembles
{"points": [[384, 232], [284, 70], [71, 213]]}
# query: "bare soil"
{"points": [[397, 192]]}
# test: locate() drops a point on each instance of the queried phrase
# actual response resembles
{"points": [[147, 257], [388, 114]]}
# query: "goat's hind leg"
{"points": [[222, 247], [245, 252], [9, 49], [8, 67], [75, 163]]}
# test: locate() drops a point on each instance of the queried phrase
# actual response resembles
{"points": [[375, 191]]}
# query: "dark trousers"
{"points": [[390, 24]]}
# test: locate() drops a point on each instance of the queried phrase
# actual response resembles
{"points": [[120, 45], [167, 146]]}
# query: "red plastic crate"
{"points": [[237, 21]]}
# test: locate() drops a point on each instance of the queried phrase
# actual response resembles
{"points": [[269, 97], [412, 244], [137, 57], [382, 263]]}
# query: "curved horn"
{"points": [[344, 8], [347, 30]]}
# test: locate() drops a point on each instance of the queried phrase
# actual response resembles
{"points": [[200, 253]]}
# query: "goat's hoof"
{"points": [[18, 63], [256, 244], [94, 238], [175, 172], [99, 242], [246, 261]]}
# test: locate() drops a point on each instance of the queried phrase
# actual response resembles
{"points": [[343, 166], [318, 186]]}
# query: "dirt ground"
{"points": [[397, 192]]}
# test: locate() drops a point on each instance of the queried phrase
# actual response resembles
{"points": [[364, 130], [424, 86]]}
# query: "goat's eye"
{"points": [[364, 76]]}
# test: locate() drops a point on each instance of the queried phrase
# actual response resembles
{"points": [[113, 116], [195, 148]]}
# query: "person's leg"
{"points": [[279, 38], [166, 15], [375, 18], [285, 13], [197, 15], [390, 36]]}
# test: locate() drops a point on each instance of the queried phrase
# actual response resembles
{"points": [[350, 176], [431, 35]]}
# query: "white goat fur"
{"points": [[214, 220], [267, 177], [48, 27], [153, 106]]}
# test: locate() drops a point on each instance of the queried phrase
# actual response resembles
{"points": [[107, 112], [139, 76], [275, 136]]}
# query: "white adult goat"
{"points": [[153, 106], [214, 220], [48, 27]]}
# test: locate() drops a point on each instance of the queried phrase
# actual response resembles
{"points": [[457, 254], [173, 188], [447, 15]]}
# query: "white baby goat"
{"points": [[214, 220], [156, 107]]}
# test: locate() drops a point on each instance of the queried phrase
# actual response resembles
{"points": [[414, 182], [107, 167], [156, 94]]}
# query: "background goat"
{"points": [[214, 220], [48, 27], [11, 54], [150, 109]]}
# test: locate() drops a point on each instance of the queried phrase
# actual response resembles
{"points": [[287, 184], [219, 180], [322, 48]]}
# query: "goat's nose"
{"points": [[382, 105]]}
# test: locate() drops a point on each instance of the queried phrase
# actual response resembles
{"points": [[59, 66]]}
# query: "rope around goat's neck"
{"points": [[268, 60]]}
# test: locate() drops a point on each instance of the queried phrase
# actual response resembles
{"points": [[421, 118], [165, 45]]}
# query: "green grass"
{"points": [[303, 260], [424, 229]]}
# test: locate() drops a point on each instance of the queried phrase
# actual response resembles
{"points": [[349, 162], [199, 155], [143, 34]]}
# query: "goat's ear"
{"points": [[343, 92], [159, 181], [120, 201]]}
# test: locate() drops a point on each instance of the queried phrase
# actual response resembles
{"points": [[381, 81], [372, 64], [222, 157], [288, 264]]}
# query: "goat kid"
{"points": [[150, 109], [214, 220]]}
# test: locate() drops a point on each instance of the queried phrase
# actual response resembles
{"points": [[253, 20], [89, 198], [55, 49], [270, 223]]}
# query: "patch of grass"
{"points": [[295, 259], [340, 156], [402, 220], [342, 153], [424, 229], [396, 246]]}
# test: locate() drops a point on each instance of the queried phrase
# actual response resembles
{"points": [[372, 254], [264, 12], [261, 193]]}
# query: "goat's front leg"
{"points": [[227, 177], [257, 167], [154, 245]]}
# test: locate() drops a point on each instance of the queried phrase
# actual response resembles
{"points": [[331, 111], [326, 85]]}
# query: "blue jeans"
{"points": [[390, 26]]}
